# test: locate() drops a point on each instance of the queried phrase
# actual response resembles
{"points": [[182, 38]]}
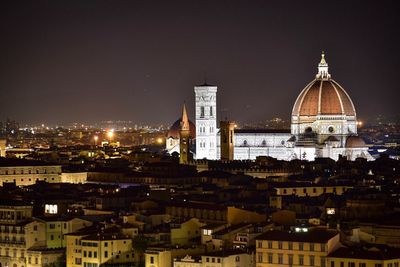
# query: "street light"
{"points": [[95, 138], [110, 135]]}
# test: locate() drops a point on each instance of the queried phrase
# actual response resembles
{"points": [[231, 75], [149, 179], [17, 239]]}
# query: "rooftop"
{"points": [[373, 252], [225, 253], [246, 131], [312, 236], [11, 162]]}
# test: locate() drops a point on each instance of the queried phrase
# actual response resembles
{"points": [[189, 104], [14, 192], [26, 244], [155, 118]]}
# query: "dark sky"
{"points": [[87, 61]]}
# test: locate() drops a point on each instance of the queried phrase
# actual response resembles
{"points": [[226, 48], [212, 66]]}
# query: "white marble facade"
{"points": [[206, 121], [324, 124]]}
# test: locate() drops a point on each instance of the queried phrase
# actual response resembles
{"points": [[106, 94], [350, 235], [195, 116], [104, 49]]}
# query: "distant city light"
{"points": [[298, 230]]}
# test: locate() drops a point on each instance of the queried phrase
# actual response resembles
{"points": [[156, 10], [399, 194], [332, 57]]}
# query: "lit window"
{"points": [[206, 232], [330, 211], [51, 208]]}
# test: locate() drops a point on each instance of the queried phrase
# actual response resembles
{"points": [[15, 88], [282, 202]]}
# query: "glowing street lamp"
{"points": [[95, 138], [110, 135]]}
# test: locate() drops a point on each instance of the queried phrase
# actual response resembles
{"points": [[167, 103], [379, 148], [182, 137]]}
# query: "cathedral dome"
{"points": [[175, 128], [355, 142], [323, 96]]}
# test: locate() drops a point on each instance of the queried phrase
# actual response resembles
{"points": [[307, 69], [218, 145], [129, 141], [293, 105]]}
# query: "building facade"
{"points": [[94, 250], [29, 174], [323, 124], [18, 234], [206, 121], [279, 248]]}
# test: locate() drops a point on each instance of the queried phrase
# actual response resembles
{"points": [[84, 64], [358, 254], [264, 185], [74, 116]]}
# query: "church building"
{"points": [[323, 124]]}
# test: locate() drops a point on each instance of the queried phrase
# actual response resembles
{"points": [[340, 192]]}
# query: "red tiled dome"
{"points": [[354, 141], [323, 97]]}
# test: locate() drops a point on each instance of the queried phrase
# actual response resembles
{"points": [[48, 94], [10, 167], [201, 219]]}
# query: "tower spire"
{"points": [[323, 68], [323, 61], [185, 119], [184, 138]]}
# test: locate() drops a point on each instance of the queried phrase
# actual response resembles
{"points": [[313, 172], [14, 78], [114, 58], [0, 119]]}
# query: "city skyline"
{"points": [[200, 133], [65, 62]]}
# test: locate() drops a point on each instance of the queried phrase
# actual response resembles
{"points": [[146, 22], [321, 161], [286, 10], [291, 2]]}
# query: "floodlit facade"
{"points": [[85, 250], [206, 121], [372, 256], [308, 248], [57, 228], [18, 234], [323, 124], [28, 175]]}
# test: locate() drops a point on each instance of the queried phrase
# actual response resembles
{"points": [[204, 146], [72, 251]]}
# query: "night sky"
{"points": [[88, 61]]}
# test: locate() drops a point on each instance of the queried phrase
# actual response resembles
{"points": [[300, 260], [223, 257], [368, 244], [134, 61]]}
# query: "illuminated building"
{"points": [[368, 256], [172, 139], [184, 136], [206, 121], [3, 144], [93, 250], [23, 172], [323, 124], [19, 233], [304, 248], [57, 228]]}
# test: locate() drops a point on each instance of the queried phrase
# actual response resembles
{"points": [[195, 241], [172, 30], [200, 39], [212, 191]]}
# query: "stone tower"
{"points": [[184, 135], [227, 130], [206, 121]]}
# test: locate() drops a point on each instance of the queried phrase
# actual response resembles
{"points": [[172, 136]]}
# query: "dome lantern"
{"points": [[323, 68]]}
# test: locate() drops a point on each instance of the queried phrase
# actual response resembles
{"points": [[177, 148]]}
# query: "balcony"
{"points": [[11, 243]]}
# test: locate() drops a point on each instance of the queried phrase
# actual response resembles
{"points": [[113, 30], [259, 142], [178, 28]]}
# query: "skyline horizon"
{"points": [[64, 61]]}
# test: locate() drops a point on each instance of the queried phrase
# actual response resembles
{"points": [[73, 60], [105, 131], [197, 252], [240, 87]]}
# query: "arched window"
{"points": [[308, 130], [264, 143], [245, 143], [201, 112], [237, 259], [211, 111]]}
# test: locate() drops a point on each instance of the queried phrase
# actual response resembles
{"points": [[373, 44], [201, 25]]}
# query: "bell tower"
{"points": [[227, 130], [184, 135], [206, 121]]}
